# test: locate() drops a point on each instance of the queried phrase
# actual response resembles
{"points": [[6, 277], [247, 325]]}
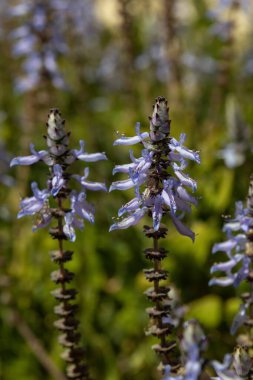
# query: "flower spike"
{"points": [[68, 209], [159, 184]]}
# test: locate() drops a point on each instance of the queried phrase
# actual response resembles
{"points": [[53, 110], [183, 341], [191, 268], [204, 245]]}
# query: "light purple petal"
{"points": [[157, 212], [32, 205], [224, 281], [93, 157], [26, 160], [192, 369], [24, 46], [134, 159], [222, 366], [232, 226], [29, 206], [182, 205], [169, 199], [81, 207], [29, 160], [132, 140], [123, 168], [57, 181], [184, 195], [122, 185], [242, 274], [39, 194], [246, 222], [183, 151], [225, 246], [239, 319], [87, 214], [81, 150], [89, 185], [182, 229], [93, 186], [68, 227], [45, 220], [186, 180], [227, 265], [130, 206], [19, 9], [131, 220]]}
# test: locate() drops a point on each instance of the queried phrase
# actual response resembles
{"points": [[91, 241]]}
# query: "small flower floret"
{"points": [[172, 197], [34, 204], [29, 160]]}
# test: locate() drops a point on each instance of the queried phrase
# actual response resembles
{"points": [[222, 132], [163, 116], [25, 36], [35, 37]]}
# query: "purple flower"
{"points": [[193, 344], [239, 319], [83, 156], [234, 367], [80, 207], [68, 228], [234, 248], [59, 157], [88, 185], [57, 181], [157, 193], [34, 204], [182, 151], [39, 43], [29, 160], [131, 220], [132, 140]]}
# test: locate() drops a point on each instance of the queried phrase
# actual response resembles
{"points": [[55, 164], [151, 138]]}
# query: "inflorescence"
{"points": [[160, 171]]}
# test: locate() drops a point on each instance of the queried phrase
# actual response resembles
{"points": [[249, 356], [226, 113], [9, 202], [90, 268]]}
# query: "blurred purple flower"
{"points": [[234, 248], [239, 319], [39, 41], [193, 344], [234, 367]]}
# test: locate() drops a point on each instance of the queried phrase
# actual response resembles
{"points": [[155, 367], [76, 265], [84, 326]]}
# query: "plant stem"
{"points": [[160, 314], [67, 324]]}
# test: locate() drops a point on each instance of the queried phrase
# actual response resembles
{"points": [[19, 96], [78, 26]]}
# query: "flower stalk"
{"points": [[159, 183], [161, 321], [67, 208]]}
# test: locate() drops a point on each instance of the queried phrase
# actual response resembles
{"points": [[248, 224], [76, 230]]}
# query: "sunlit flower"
{"points": [[34, 204], [234, 248], [238, 250], [157, 176], [58, 157]]}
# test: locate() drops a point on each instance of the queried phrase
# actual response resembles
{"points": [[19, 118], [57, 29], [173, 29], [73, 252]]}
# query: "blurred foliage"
{"points": [[122, 57]]}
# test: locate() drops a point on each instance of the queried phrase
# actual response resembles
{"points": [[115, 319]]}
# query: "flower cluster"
{"points": [[234, 248], [39, 42], [193, 345], [58, 157], [238, 249], [164, 192], [234, 367]]}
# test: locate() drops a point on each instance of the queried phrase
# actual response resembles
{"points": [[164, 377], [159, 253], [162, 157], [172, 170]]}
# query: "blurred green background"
{"points": [[119, 55]]}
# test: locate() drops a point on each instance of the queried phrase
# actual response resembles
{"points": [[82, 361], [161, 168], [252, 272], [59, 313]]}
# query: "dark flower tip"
{"points": [[159, 122]]}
